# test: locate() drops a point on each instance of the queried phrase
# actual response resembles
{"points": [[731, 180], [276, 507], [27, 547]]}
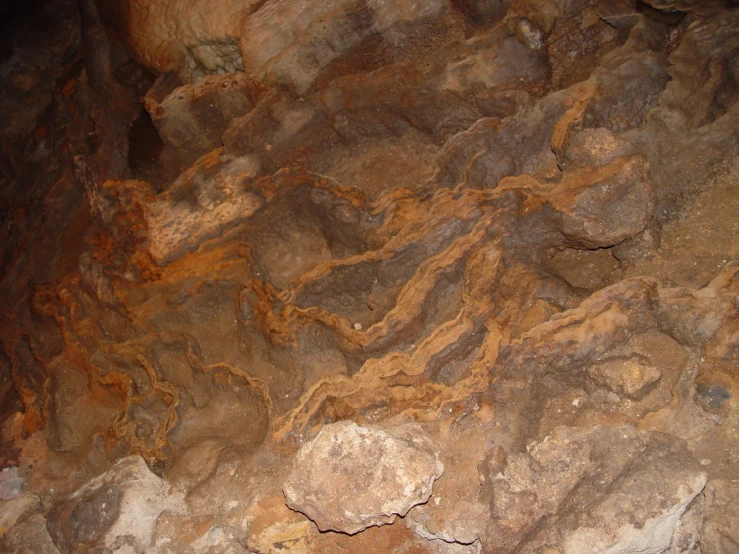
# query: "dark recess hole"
{"points": [[714, 395], [144, 148]]}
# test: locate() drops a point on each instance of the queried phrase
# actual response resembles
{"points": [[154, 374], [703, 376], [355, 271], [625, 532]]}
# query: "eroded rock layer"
{"points": [[434, 277]]}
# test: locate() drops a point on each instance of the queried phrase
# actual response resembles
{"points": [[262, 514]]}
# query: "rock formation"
{"points": [[452, 276]]}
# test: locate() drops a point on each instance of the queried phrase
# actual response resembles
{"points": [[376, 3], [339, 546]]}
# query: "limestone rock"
{"points": [[23, 526], [372, 244], [720, 533], [629, 376], [272, 523], [14, 509], [349, 477], [29, 535], [625, 526], [117, 507], [594, 147], [193, 117], [11, 483], [291, 42], [190, 37], [604, 206], [626, 503], [459, 525], [179, 220]]}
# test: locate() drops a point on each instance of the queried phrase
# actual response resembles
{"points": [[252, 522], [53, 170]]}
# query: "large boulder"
{"points": [[349, 477], [119, 507]]}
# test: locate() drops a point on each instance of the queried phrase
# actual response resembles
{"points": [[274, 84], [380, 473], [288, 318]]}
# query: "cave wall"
{"points": [[230, 227]]}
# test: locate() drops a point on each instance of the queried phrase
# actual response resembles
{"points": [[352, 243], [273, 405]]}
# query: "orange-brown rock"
{"points": [[506, 226]]}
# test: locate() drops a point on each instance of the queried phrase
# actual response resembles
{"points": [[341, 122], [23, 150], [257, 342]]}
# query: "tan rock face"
{"points": [[191, 119], [280, 41], [190, 37], [266, 266], [349, 477], [120, 505], [632, 377]]}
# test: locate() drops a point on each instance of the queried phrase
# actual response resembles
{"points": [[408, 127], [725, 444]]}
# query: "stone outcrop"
{"points": [[266, 266], [117, 508], [348, 477], [620, 506]]}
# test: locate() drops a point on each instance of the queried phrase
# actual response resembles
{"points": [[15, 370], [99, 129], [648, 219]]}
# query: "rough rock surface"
{"points": [[610, 475], [348, 477], [117, 508], [192, 118], [506, 226]]}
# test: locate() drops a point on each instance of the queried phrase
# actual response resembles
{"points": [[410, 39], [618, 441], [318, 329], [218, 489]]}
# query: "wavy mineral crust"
{"points": [[267, 267]]}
